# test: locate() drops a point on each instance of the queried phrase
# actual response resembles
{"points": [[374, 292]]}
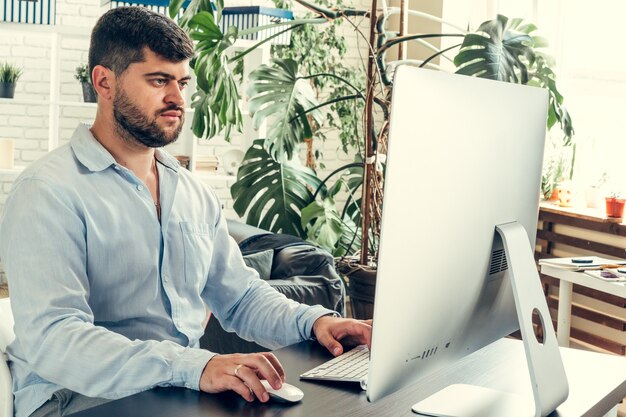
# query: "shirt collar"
{"points": [[166, 159], [95, 157], [89, 151]]}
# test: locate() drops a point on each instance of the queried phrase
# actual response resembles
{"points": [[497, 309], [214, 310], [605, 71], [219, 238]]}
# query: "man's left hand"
{"points": [[334, 333]]}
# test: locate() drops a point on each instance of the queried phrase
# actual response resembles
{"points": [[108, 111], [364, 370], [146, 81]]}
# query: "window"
{"points": [[591, 74]]}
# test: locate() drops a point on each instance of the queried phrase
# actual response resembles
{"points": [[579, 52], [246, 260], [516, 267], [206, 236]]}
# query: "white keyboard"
{"points": [[350, 366]]}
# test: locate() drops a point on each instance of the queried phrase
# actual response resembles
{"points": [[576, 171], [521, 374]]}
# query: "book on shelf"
{"points": [[207, 163]]}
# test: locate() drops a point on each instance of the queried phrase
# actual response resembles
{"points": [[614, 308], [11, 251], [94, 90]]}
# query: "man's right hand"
{"points": [[242, 373]]}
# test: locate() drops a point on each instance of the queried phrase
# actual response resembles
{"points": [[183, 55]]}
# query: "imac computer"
{"points": [[456, 270]]}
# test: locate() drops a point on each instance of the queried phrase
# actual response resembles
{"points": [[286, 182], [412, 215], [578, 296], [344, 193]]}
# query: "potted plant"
{"points": [[9, 74], [82, 75], [274, 190], [593, 193], [615, 205], [551, 176]]}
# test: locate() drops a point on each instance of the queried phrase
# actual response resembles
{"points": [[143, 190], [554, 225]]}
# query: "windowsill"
{"points": [[593, 214]]}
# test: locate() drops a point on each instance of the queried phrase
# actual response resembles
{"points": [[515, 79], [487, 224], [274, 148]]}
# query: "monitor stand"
{"points": [[547, 374]]}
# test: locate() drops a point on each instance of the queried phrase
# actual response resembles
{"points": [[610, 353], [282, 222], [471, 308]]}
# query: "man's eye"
{"points": [[159, 81], [183, 84]]}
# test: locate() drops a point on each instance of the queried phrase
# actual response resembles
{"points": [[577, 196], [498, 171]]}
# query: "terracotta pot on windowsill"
{"points": [[615, 207]]}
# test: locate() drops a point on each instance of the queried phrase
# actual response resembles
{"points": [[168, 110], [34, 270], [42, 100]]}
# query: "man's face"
{"points": [[148, 107]]}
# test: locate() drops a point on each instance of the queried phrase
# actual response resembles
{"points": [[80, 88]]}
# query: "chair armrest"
{"points": [[242, 231]]}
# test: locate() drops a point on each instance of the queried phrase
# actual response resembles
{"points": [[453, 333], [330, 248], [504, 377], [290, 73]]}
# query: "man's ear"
{"points": [[103, 81]]}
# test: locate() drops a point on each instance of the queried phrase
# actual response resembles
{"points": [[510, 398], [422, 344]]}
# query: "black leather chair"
{"points": [[300, 270]]}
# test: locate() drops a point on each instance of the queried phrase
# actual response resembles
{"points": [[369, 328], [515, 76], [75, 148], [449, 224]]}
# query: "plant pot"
{"points": [[593, 196], [7, 90], [615, 207], [554, 196], [89, 94], [361, 289], [565, 191]]}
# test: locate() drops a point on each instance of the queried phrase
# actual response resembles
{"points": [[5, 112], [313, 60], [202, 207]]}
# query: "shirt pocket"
{"points": [[198, 252]]}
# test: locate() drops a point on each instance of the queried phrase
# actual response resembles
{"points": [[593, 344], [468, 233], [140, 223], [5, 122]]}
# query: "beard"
{"points": [[136, 127]]}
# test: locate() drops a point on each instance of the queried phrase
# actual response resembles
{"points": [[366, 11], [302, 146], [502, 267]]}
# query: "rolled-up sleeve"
{"points": [[250, 306]]}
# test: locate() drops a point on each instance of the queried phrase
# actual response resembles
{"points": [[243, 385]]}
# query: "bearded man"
{"points": [[114, 254]]}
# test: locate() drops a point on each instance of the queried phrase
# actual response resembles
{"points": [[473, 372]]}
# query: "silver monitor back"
{"points": [[465, 155]]}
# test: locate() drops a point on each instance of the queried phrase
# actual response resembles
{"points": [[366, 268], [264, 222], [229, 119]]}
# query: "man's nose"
{"points": [[175, 94]]}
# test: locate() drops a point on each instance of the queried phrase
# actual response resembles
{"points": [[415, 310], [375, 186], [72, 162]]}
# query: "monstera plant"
{"points": [[274, 189], [507, 50]]}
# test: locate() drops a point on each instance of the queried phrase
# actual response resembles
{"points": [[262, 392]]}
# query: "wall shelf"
{"points": [[77, 104], [15, 170], [28, 102]]}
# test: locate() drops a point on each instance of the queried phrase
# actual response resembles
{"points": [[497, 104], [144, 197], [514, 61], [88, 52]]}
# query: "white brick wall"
{"points": [[28, 123], [32, 53]]}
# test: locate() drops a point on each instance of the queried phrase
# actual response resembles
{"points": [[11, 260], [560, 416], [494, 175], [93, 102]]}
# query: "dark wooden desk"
{"points": [[597, 384]]}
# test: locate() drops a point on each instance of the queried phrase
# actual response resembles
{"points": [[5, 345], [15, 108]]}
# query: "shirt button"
{"points": [[116, 168], [140, 187]]}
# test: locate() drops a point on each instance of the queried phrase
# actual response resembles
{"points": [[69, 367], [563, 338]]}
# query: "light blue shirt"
{"points": [[108, 301]]}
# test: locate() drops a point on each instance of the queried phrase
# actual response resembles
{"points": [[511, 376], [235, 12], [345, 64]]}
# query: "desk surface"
{"points": [[597, 383], [580, 278]]}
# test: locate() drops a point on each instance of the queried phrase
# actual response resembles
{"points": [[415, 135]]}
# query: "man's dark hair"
{"points": [[121, 34]]}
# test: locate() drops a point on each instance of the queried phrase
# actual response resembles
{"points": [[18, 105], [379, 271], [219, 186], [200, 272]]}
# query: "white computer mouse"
{"points": [[287, 393]]}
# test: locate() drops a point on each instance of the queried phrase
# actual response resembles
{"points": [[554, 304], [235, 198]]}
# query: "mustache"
{"points": [[172, 107]]}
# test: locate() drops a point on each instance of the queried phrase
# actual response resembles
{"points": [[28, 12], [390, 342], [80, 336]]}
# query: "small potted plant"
{"points": [[82, 75], [9, 74], [615, 205], [594, 192]]}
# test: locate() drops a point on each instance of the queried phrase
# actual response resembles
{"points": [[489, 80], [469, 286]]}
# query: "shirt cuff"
{"points": [[321, 312], [188, 367]]}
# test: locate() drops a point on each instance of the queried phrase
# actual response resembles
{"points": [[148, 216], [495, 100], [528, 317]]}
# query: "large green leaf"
{"points": [[544, 77], [499, 50], [216, 101], [323, 224], [195, 7], [174, 7], [272, 193], [278, 95], [326, 228], [336, 232], [506, 50]]}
